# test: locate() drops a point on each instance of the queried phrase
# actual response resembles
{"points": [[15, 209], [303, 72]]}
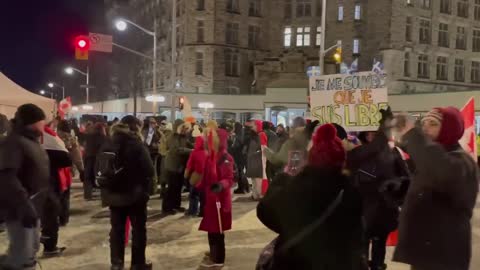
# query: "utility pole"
{"points": [[173, 73], [321, 58], [154, 74]]}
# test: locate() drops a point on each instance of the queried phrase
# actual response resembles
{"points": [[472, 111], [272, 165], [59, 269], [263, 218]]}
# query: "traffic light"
{"points": [[82, 45], [337, 56], [181, 103]]}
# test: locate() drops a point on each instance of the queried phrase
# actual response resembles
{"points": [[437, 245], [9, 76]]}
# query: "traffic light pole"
{"points": [[154, 72], [321, 57], [173, 73]]}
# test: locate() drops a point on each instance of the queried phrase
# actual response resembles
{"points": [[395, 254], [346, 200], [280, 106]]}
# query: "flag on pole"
{"points": [[64, 107], [468, 141]]}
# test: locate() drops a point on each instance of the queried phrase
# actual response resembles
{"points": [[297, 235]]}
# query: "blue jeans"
{"points": [[194, 200], [24, 244]]}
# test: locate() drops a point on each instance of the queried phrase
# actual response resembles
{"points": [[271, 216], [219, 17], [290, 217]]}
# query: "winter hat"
{"points": [[28, 114], [258, 126], [453, 126], [327, 150], [131, 121]]}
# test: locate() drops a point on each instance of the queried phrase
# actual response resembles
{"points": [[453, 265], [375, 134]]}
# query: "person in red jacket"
{"points": [[216, 184]]}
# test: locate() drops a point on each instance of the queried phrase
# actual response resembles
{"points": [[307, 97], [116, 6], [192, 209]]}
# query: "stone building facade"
{"points": [[247, 46]]}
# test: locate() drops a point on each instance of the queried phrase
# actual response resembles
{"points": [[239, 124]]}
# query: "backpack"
{"points": [[107, 168]]}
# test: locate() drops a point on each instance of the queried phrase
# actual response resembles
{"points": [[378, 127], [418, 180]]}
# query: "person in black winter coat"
{"points": [[310, 236], [237, 152], [374, 166], [59, 160], [24, 175], [127, 197], [94, 140]]}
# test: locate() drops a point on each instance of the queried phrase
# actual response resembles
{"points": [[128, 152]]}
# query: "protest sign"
{"points": [[353, 101]]}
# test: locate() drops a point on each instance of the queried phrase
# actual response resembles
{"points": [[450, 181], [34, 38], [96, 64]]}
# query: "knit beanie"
{"points": [[452, 128], [28, 114], [327, 150]]}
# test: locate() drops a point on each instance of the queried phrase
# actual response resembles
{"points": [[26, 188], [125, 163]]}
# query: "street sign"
{"points": [[87, 86], [101, 42], [81, 54]]}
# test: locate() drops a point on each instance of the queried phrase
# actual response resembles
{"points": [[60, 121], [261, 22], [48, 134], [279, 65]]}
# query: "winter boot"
{"points": [[54, 253], [146, 266]]}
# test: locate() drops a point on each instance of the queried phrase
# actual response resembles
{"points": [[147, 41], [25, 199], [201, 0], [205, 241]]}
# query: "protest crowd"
{"points": [[333, 197]]}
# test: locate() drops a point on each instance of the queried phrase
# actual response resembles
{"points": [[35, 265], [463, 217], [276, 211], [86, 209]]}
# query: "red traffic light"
{"points": [[82, 43]]}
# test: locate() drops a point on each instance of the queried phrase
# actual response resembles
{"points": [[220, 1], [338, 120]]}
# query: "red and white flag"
{"points": [[64, 107], [468, 141]]}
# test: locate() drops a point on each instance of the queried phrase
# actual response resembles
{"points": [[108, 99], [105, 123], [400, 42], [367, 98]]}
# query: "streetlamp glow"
{"points": [[155, 98], [87, 107], [75, 108], [42, 92], [206, 105], [121, 25], [69, 70], [51, 85]]}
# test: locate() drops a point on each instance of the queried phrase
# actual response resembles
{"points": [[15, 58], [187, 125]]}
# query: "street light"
{"points": [[155, 98], [70, 70], [53, 84], [121, 25], [43, 93]]}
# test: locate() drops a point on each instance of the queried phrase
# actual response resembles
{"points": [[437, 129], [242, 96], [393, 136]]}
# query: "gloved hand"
{"points": [[387, 117], [28, 215], [216, 188]]}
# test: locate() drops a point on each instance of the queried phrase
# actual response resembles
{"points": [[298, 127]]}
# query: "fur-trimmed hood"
{"points": [[120, 131]]}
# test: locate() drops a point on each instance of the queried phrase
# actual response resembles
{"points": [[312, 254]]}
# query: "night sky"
{"points": [[37, 37]]}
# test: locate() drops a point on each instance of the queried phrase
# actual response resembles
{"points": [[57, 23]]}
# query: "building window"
{"points": [[232, 33], [253, 36], [287, 37], [232, 6], [406, 65], [319, 8], [423, 70], [409, 29], [442, 68], [462, 8], [459, 70], [476, 11], [303, 36], [318, 40], [475, 72], [200, 4], [288, 9], [304, 8], [340, 13], [358, 12], [461, 43], [443, 37], [231, 63], [200, 31], [425, 32], [254, 8], [425, 4], [446, 6], [356, 46], [198, 63], [476, 40]]}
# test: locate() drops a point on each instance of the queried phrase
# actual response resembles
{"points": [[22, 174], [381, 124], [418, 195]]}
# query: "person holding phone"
{"points": [[435, 231]]}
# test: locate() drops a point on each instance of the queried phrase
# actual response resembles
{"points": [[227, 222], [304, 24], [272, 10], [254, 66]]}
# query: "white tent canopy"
{"points": [[12, 96]]}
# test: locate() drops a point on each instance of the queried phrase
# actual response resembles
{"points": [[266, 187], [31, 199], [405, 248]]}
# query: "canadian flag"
{"points": [[64, 107], [468, 141]]}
